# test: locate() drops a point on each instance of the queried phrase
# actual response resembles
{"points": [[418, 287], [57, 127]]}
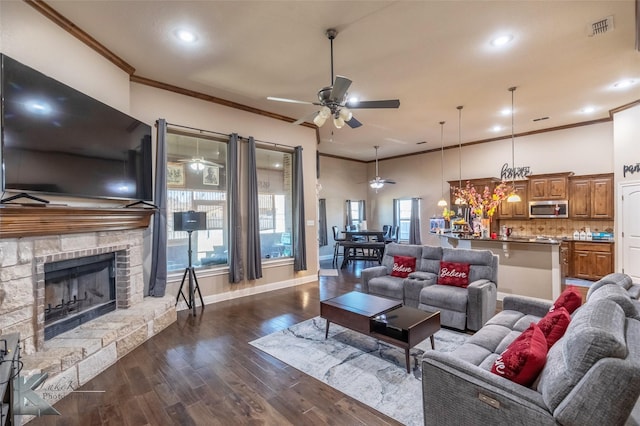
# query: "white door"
{"points": [[630, 231]]}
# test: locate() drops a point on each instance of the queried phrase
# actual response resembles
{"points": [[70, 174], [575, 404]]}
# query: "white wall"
{"points": [[626, 131], [340, 180]]}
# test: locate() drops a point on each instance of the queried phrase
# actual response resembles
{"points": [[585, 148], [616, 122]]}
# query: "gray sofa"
{"points": [[591, 375], [461, 308]]}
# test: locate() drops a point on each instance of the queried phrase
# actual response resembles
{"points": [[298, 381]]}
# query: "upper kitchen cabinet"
{"points": [[591, 197], [479, 184], [549, 186], [516, 210]]}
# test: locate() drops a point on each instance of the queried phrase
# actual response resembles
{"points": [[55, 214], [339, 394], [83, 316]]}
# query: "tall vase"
{"points": [[486, 227]]}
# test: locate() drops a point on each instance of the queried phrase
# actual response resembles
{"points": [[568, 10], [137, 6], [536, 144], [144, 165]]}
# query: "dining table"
{"points": [[362, 245]]}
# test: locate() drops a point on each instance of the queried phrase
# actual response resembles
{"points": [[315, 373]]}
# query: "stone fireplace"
{"points": [[43, 247]]}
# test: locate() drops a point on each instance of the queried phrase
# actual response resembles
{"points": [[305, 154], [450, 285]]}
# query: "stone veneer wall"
{"points": [[22, 276]]}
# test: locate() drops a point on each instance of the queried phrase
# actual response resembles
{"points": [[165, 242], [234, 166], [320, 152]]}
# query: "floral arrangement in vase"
{"points": [[484, 203]]}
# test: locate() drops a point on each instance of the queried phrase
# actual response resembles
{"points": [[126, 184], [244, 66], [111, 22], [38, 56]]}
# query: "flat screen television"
{"points": [[57, 140]]}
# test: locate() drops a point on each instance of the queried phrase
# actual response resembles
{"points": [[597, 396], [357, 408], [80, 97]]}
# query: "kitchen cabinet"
{"points": [[516, 210], [591, 197], [591, 261], [478, 184], [548, 186]]}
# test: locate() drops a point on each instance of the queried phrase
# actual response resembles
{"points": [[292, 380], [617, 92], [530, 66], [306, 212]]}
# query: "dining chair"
{"points": [[338, 243]]}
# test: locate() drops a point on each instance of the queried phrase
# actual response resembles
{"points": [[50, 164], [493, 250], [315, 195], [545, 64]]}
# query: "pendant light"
{"points": [[442, 202], [460, 201], [514, 197]]}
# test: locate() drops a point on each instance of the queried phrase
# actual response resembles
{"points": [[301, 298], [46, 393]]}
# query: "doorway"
{"points": [[629, 230]]}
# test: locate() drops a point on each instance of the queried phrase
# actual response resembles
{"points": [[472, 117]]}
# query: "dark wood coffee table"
{"points": [[382, 318]]}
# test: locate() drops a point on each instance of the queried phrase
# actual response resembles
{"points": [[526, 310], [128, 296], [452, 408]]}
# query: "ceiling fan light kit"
{"points": [[333, 99]]}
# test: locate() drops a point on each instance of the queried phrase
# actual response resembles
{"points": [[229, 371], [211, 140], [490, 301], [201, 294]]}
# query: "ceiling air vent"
{"points": [[600, 27]]}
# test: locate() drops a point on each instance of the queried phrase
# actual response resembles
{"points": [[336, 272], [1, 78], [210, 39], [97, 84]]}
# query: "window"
{"points": [[275, 204], [403, 214], [355, 213], [196, 180]]}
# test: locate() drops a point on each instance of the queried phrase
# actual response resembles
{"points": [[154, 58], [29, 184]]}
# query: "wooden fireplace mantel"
{"points": [[28, 221]]}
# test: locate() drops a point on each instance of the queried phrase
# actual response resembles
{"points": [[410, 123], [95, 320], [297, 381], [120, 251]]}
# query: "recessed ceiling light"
{"points": [[354, 100], [186, 36], [502, 40], [496, 128], [623, 84], [588, 109], [506, 111]]}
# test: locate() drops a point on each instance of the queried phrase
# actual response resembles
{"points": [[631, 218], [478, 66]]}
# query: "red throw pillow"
{"points": [[403, 266], [570, 299], [452, 273], [554, 324], [524, 358]]}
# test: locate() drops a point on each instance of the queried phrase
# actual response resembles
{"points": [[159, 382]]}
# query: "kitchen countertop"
{"points": [[523, 239]]}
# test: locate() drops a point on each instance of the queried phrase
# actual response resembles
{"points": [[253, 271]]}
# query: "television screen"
{"points": [[57, 140]]}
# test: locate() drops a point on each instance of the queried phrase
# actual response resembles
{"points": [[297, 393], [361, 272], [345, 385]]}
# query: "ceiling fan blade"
{"points": [[306, 117], [389, 103], [340, 87], [389, 181], [291, 101], [353, 123]]}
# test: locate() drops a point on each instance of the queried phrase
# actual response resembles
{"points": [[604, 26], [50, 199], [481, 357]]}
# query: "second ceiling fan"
{"points": [[333, 100]]}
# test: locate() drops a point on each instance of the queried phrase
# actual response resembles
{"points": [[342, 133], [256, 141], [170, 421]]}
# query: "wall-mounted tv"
{"points": [[57, 140]]}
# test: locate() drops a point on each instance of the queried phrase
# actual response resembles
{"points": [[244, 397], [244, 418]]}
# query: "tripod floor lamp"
{"points": [[190, 221]]}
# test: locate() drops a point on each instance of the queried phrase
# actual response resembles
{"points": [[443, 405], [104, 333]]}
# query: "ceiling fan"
{"points": [[333, 100], [378, 182]]}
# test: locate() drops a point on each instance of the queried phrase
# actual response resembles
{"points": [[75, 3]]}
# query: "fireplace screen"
{"points": [[76, 291]]}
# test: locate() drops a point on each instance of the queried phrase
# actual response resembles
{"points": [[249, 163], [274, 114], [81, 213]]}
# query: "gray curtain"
{"points": [[254, 257], [396, 221], [348, 216], [235, 224], [158, 276], [323, 238], [299, 239], [362, 209], [414, 224]]}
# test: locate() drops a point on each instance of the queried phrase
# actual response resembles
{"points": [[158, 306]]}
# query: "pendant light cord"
{"points": [[513, 156], [442, 157], [460, 146]]}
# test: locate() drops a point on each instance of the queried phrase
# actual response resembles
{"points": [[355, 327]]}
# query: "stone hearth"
{"points": [[73, 358]]}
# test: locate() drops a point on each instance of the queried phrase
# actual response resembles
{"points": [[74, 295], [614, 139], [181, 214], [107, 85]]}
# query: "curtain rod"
{"points": [[242, 138]]}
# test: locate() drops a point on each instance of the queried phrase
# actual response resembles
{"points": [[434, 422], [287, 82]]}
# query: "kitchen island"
{"points": [[529, 266]]}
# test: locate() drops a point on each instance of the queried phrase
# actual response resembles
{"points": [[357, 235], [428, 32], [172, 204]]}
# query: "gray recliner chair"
{"points": [[471, 307]]}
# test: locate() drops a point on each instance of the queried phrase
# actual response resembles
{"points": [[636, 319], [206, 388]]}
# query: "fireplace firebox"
{"points": [[78, 290]]}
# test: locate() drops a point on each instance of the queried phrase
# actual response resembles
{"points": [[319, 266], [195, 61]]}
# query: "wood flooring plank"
{"points": [[203, 371]]}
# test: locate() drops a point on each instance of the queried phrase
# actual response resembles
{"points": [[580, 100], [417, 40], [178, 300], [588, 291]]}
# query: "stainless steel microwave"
{"points": [[549, 209]]}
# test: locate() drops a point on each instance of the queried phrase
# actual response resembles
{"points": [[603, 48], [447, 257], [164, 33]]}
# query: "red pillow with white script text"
{"points": [[403, 266], [456, 274]]}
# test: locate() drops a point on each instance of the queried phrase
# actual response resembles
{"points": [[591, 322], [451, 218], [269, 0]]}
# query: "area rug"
{"points": [[328, 272], [360, 366]]}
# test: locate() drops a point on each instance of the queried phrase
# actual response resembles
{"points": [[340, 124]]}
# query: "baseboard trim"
{"points": [[250, 291]]}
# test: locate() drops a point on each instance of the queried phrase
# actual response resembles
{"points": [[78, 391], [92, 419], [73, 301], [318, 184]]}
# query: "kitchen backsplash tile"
{"points": [[555, 227]]}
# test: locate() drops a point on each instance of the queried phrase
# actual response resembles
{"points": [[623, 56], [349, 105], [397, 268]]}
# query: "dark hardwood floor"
{"points": [[202, 371]]}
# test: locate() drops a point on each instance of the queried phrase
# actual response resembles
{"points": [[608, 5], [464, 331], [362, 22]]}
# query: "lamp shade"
{"points": [[442, 203], [338, 122], [346, 114], [319, 120], [376, 184], [514, 198]]}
